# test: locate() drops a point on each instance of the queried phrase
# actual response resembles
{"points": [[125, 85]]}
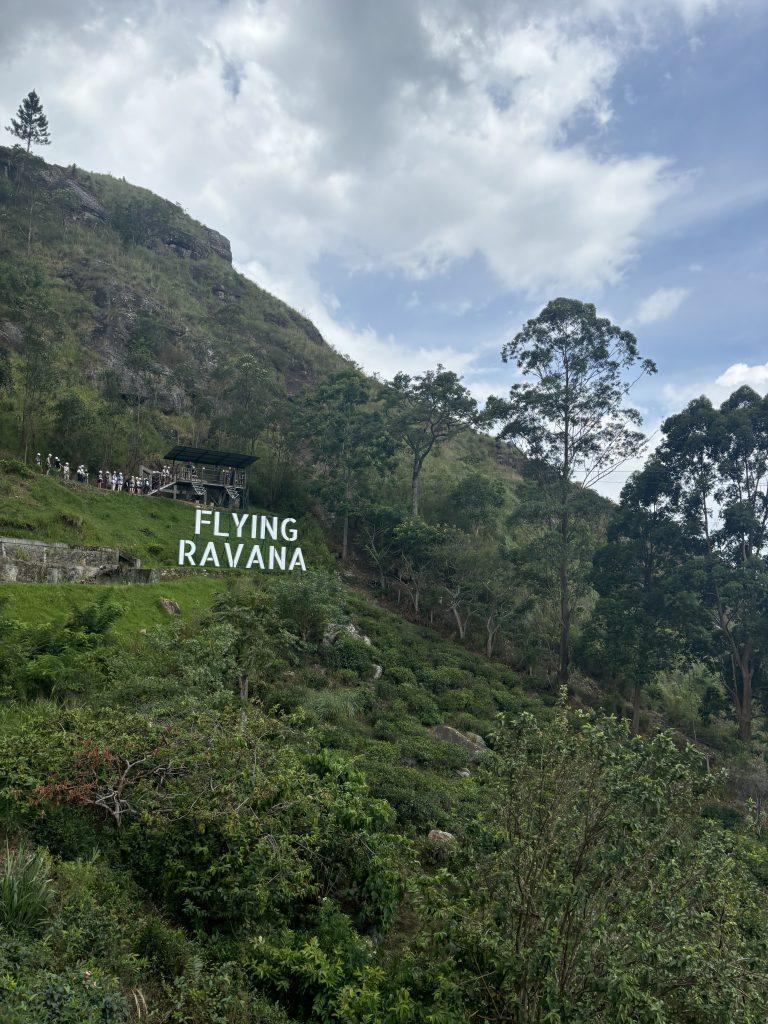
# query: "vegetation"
{"points": [[358, 793]]}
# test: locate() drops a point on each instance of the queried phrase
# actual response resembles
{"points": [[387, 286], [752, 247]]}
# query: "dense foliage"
{"points": [[357, 796]]}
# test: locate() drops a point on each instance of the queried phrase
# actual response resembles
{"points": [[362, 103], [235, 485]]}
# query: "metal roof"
{"points": [[209, 457]]}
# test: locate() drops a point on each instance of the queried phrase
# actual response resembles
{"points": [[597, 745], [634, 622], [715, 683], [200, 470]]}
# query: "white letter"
{"points": [[275, 557], [186, 550], [199, 513], [216, 531], [255, 555], [238, 551], [288, 534], [209, 555], [297, 559], [240, 522], [269, 526]]}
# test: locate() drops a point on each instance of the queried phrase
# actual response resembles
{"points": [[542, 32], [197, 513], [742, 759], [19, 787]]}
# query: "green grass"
{"points": [[39, 603], [44, 508]]}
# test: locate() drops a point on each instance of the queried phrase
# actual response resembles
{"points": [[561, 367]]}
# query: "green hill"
{"points": [[308, 797]]}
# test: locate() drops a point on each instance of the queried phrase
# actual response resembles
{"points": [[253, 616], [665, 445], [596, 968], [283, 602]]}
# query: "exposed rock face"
{"points": [[334, 630], [470, 740], [190, 247], [441, 839], [89, 203], [219, 244]]}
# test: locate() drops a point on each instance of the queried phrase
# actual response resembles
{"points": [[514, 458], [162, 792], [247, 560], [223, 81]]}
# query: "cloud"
{"points": [[405, 137], [660, 304], [676, 395], [740, 373]]}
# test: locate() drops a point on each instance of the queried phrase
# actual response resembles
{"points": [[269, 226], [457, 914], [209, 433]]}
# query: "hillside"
{"points": [[354, 794]]}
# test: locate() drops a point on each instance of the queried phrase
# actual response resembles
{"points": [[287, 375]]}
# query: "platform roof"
{"points": [[209, 457]]}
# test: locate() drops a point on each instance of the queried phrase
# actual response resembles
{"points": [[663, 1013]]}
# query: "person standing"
{"points": [[39, 462]]}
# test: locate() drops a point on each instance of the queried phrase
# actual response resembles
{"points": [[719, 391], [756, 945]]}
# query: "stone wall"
{"points": [[37, 561]]}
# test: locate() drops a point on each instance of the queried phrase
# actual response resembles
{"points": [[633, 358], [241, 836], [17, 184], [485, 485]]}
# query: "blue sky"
{"points": [[421, 176]]}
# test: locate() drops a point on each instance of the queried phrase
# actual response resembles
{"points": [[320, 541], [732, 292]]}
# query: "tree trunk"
{"points": [[345, 528], [745, 711], [636, 708], [461, 626], [490, 632], [565, 607], [415, 488]]}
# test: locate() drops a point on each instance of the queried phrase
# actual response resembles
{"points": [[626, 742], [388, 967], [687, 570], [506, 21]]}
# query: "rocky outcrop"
{"points": [[82, 197], [471, 741], [335, 629], [192, 247], [441, 840]]}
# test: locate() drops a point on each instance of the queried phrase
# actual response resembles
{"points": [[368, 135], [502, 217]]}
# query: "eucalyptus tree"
{"points": [[424, 412], [570, 416], [648, 608], [712, 468], [347, 436]]}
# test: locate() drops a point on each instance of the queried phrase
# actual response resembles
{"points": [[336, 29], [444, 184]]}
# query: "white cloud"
{"points": [[676, 395], [660, 304], [740, 373], [408, 136]]}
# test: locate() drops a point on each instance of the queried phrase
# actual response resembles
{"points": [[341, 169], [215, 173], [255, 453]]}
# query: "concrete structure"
{"points": [[37, 561]]}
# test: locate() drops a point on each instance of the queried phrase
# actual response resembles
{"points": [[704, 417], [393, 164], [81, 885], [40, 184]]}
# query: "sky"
{"points": [[421, 176]]}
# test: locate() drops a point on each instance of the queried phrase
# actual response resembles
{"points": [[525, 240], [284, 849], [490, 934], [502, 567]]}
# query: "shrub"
{"points": [[167, 949], [26, 889], [15, 467]]}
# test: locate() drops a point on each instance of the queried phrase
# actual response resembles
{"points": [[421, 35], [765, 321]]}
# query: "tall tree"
{"points": [[426, 411], [475, 502], [713, 470], [647, 604], [250, 393], [570, 416], [348, 438], [30, 124]]}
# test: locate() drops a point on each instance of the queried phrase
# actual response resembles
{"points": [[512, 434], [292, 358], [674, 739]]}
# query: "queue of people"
{"points": [[53, 464], [109, 480], [106, 479]]}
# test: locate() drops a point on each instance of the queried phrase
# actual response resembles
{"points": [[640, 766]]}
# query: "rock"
{"points": [[172, 607], [219, 244], [12, 334], [441, 839], [464, 773], [377, 672], [471, 741], [334, 630], [89, 203], [476, 738]]}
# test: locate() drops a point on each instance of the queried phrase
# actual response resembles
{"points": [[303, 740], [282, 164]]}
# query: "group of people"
{"points": [[53, 464], [107, 479]]}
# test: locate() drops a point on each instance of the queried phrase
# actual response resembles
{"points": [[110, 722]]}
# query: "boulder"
{"points": [[377, 671], [171, 606], [441, 840], [469, 740], [464, 773]]}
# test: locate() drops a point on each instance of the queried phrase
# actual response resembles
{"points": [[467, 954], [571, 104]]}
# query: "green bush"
{"points": [[26, 889], [167, 949]]}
